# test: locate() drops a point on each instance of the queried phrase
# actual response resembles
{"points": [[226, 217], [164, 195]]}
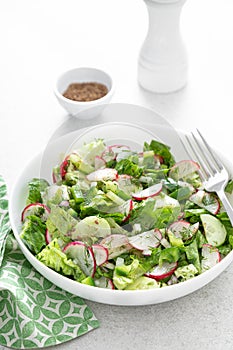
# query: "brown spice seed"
{"points": [[85, 92]]}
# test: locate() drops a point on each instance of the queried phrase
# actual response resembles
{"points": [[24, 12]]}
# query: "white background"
{"points": [[41, 39]]}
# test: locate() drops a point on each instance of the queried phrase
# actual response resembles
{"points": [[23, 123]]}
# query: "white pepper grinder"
{"points": [[163, 63]]}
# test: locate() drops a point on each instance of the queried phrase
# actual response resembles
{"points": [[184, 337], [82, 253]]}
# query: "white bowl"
{"points": [[134, 134], [80, 109]]}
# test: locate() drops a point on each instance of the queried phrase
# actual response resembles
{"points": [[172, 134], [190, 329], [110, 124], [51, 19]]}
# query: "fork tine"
{"points": [[203, 171], [207, 154], [214, 158], [203, 174], [206, 164]]}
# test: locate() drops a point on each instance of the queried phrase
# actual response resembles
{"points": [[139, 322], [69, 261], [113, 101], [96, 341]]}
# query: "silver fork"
{"points": [[213, 173]]}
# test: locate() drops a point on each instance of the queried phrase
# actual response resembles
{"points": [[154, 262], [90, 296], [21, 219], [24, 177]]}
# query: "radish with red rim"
{"points": [[63, 167], [206, 200], [116, 244], [127, 207], [151, 191], [210, 257], [183, 169], [82, 255], [100, 253], [146, 240], [162, 272], [183, 229], [108, 154], [118, 149], [48, 238], [34, 209]]}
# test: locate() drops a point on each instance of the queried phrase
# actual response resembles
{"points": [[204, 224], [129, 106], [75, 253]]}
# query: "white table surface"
{"points": [[39, 40]]}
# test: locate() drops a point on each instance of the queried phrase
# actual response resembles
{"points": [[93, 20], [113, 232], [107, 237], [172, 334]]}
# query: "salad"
{"points": [[121, 219]]}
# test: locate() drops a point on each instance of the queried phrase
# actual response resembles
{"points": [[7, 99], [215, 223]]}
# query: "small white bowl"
{"points": [[80, 109]]}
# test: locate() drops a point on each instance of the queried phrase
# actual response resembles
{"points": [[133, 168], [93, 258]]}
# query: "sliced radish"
{"points": [[112, 152], [210, 256], [104, 282], [146, 240], [128, 207], [172, 280], [100, 253], [151, 191], [206, 200], [82, 255], [183, 229], [164, 271], [48, 237], [183, 170], [102, 175], [186, 184], [160, 158], [99, 162], [34, 209], [108, 154], [119, 148], [116, 244], [181, 215], [125, 208], [63, 167]]}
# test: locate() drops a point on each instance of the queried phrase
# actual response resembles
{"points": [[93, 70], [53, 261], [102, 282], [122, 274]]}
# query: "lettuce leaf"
{"points": [[161, 150], [192, 254], [229, 187], [33, 233], [169, 255], [35, 187], [90, 150], [60, 223], [155, 212], [124, 275], [53, 257], [132, 267], [126, 166], [143, 283], [186, 272]]}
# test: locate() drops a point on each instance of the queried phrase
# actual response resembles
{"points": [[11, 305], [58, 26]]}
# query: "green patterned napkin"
{"points": [[33, 312]]}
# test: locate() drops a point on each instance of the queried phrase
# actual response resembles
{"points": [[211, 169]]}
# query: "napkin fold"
{"points": [[34, 313]]}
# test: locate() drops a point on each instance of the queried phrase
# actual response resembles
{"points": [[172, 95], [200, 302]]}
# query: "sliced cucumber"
{"points": [[91, 228], [215, 231]]}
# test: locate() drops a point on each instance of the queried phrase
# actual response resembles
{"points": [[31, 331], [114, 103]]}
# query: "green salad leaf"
{"points": [[33, 233], [161, 150], [35, 188], [53, 257]]}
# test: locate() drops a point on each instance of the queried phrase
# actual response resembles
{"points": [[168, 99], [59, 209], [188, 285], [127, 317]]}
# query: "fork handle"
{"points": [[226, 204]]}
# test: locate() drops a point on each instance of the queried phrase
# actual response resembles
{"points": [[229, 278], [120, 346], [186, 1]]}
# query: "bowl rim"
{"points": [[84, 103]]}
